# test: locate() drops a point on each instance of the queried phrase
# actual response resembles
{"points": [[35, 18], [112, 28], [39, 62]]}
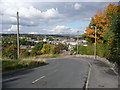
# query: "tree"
{"points": [[24, 42], [36, 50], [58, 48], [47, 49], [108, 32], [113, 13], [24, 53], [10, 52], [101, 22]]}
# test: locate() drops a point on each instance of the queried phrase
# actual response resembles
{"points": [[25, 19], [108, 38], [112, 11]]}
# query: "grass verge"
{"points": [[52, 56], [14, 65]]}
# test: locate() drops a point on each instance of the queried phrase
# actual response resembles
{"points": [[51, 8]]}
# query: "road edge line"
{"points": [[88, 77]]}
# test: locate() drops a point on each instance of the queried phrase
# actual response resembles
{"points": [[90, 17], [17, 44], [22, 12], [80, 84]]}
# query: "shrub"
{"points": [[10, 52], [24, 53], [85, 50], [47, 49]]}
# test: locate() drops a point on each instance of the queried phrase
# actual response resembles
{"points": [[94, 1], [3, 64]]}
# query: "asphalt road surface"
{"points": [[59, 73]]}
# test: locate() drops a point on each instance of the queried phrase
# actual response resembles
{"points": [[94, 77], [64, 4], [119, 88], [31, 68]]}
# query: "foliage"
{"points": [[24, 53], [102, 50], [101, 22], [10, 52], [108, 30], [24, 42], [33, 53], [85, 50], [47, 49], [113, 13], [58, 48], [11, 39], [36, 50]]}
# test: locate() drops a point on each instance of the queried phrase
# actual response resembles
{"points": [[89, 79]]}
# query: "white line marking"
{"points": [[43, 76], [37, 79], [88, 76]]}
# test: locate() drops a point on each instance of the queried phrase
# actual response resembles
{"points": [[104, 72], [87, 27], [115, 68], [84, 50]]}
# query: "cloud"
{"points": [[62, 30], [40, 17], [32, 12], [12, 28], [31, 16], [60, 0], [77, 6], [33, 32]]}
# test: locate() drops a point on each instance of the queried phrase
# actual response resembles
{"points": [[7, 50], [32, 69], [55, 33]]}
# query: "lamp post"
{"points": [[77, 41], [95, 42]]}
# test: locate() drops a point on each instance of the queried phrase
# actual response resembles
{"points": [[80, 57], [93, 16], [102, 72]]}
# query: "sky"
{"points": [[37, 17]]}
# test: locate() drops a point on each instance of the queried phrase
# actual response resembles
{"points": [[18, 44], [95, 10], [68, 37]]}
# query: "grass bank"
{"points": [[51, 56], [14, 65]]}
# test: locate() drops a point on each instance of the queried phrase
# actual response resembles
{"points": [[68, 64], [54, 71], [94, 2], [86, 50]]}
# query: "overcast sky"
{"points": [[48, 17]]}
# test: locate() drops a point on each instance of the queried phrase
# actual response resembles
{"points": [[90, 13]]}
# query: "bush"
{"points": [[47, 49], [85, 50], [102, 50], [90, 49], [24, 53], [10, 52]]}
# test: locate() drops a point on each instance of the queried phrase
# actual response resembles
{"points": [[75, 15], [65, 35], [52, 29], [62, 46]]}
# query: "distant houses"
{"points": [[26, 47], [71, 43]]}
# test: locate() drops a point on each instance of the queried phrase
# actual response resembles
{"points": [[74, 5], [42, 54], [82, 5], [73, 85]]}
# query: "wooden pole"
{"points": [[18, 45]]}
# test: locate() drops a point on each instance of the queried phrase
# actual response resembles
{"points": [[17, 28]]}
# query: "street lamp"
{"points": [[77, 41], [95, 42]]}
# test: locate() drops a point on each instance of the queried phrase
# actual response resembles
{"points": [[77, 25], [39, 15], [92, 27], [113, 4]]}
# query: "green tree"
{"points": [[10, 52], [24, 53], [113, 13], [23, 42], [36, 50], [47, 49]]}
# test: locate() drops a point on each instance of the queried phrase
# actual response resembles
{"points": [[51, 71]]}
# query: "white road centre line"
{"points": [[43, 76], [37, 79]]}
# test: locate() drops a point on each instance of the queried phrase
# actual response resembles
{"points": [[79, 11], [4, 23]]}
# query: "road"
{"points": [[59, 73]]}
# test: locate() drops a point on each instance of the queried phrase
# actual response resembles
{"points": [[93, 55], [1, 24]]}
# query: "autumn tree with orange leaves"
{"points": [[108, 33], [101, 22]]}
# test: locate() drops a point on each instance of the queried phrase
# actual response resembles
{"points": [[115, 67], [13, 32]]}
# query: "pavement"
{"points": [[101, 75], [59, 73], [67, 72]]}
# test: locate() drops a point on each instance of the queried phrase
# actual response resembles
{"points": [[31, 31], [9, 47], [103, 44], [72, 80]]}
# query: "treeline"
{"points": [[108, 33]]}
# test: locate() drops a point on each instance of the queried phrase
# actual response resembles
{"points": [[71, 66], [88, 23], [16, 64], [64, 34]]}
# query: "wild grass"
{"points": [[51, 56], [13, 65]]}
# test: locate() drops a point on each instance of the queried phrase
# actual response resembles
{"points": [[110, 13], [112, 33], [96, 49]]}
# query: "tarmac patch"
{"points": [[101, 64], [100, 85], [111, 72]]}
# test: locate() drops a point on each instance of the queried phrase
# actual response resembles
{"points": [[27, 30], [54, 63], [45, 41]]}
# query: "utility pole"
{"points": [[18, 45], [77, 41]]}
